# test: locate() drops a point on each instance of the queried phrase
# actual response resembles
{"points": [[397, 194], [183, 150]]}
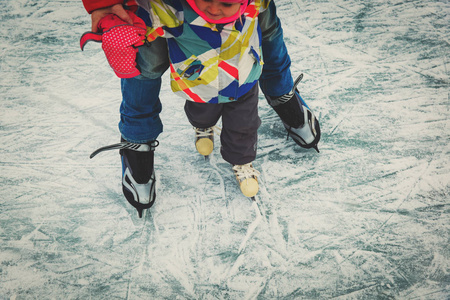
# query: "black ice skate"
{"points": [[138, 175], [300, 122]]}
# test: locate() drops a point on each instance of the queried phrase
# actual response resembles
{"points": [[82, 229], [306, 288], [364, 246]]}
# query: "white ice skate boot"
{"points": [[204, 139], [247, 178]]}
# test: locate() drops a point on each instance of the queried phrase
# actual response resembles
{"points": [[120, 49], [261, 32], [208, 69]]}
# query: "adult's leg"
{"points": [[140, 125], [276, 78], [278, 87], [140, 108]]}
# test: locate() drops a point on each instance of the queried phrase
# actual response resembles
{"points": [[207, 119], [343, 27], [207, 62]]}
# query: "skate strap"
{"points": [[129, 146], [286, 97]]}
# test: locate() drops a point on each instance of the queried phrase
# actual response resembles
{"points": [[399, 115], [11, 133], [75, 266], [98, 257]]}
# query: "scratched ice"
{"points": [[367, 218]]}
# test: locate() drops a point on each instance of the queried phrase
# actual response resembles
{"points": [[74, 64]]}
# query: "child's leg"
{"points": [[239, 139], [203, 115], [240, 122]]}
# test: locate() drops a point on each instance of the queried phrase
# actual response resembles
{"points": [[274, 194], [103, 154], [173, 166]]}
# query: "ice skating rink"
{"points": [[366, 218]]}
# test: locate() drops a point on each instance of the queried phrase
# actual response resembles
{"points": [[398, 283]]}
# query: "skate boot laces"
{"points": [[245, 171], [204, 139], [247, 178], [207, 132]]}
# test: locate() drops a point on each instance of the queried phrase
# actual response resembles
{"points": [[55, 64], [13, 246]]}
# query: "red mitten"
{"points": [[119, 41]]}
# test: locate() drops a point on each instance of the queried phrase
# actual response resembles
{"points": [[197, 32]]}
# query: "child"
{"points": [[215, 62], [199, 75]]}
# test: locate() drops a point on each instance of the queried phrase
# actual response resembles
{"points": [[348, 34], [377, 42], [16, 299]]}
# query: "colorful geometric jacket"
{"points": [[211, 63]]}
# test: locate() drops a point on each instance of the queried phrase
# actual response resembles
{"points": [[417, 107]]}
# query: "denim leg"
{"points": [[153, 59], [276, 78], [140, 109]]}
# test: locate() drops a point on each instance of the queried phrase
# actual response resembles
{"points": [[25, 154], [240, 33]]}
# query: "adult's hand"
{"points": [[116, 9]]}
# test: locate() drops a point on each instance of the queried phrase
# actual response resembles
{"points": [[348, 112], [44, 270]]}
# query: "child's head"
{"points": [[219, 11]]}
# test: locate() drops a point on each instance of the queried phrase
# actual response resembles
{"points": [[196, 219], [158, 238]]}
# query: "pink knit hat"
{"points": [[223, 20]]}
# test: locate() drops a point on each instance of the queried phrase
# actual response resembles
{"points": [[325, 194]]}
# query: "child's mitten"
{"points": [[119, 42]]}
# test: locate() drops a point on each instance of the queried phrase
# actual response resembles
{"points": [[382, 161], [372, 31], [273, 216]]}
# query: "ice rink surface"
{"points": [[366, 218]]}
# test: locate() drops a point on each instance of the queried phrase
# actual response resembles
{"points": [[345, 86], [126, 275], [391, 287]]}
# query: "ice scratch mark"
{"points": [[378, 231], [141, 256], [256, 290], [213, 164], [251, 228], [355, 292], [235, 268]]}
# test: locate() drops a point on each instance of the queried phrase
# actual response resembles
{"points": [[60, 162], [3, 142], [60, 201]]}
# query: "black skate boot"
{"points": [[138, 175], [300, 122]]}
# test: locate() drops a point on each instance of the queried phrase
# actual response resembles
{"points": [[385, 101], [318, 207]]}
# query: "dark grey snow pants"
{"points": [[240, 122]]}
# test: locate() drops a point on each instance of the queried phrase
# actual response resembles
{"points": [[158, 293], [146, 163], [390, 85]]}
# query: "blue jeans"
{"points": [[140, 109], [141, 106], [276, 78]]}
